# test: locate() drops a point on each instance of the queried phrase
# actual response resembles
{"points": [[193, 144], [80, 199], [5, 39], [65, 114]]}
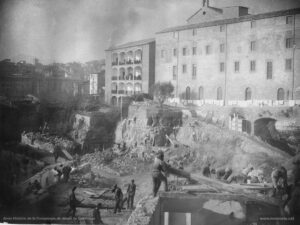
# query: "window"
{"points": [[288, 43], [236, 66], [194, 32], [174, 52], [174, 72], [253, 46], [222, 48], [194, 74], [288, 64], [253, 24], [194, 50], [269, 70], [174, 34], [248, 94], [289, 20], [222, 28], [162, 53], [207, 49], [221, 67], [252, 65], [184, 51], [183, 68]]}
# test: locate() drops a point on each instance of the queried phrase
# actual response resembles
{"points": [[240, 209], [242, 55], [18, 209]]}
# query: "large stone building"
{"points": [[225, 55], [129, 69]]}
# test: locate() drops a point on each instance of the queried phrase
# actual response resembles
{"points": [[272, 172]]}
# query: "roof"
{"points": [[132, 44], [233, 20], [201, 9]]}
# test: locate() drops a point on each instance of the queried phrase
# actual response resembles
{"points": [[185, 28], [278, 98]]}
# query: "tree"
{"points": [[162, 91]]}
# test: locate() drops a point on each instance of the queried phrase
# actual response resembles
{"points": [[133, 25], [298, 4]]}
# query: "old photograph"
{"points": [[150, 112]]}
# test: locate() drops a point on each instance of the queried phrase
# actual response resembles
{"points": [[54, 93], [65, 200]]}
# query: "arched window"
{"points": [[248, 94], [188, 93], [201, 90], [219, 93], [280, 94]]}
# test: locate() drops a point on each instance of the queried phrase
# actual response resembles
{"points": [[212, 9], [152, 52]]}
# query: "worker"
{"points": [[206, 170], [279, 180], [36, 186], [228, 172], [130, 194], [292, 208], [159, 167], [296, 169], [56, 152], [59, 173], [118, 198], [97, 215], [72, 203], [66, 172]]}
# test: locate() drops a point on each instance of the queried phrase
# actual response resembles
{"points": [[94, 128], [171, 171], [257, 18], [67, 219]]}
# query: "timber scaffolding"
{"points": [[209, 201]]}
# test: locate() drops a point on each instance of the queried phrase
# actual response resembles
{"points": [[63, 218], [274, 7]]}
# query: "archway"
{"points": [[121, 88], [248, 94], [129, 75], [122, 74], [114, 88], [137, 88], [129, 89], [138, 56], [114, 74], [122, 58], [137, 73]]}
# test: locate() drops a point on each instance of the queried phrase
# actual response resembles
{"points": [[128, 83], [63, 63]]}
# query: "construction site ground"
{"points": [[196, 144]]}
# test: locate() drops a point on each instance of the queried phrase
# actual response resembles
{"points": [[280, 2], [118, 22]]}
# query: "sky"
{"points": [[80, 30]]}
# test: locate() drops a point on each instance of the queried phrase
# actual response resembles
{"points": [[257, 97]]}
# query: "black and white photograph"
{"points": [[150, 112]]}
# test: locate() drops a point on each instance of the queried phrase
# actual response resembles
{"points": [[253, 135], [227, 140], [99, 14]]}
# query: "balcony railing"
{"points": [[122, 63], [137, 61], [114, 91], [122, 77], [121, 92], [114, 63], [114, 78], [129, 62]]}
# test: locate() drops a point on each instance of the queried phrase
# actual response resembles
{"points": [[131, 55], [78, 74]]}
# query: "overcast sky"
{"points": [[80, 30]]}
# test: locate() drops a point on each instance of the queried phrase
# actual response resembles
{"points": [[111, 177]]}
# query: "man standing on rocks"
{"points": [[118, 198], [131, 193], [72, 203], [159, 167]]}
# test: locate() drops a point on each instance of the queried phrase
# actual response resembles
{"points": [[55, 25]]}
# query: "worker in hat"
{"points": [[158, 176], [118, 197]]}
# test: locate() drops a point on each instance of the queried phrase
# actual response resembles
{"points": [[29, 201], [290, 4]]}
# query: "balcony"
{"points": [[114, 91], [122, 63], [121, 92], [114, 63], [114, 78], [129, 62], [137, 61]]}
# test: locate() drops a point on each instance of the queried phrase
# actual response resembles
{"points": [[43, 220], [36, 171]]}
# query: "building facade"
{"points": [[129, 70], [228, 55]]}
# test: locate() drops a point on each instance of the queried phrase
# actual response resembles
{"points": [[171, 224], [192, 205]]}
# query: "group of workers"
{"points": [[279, 181], [118, 197]]}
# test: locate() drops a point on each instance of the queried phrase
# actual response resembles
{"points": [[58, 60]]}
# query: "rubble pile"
{"points": [[47, 142]]}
